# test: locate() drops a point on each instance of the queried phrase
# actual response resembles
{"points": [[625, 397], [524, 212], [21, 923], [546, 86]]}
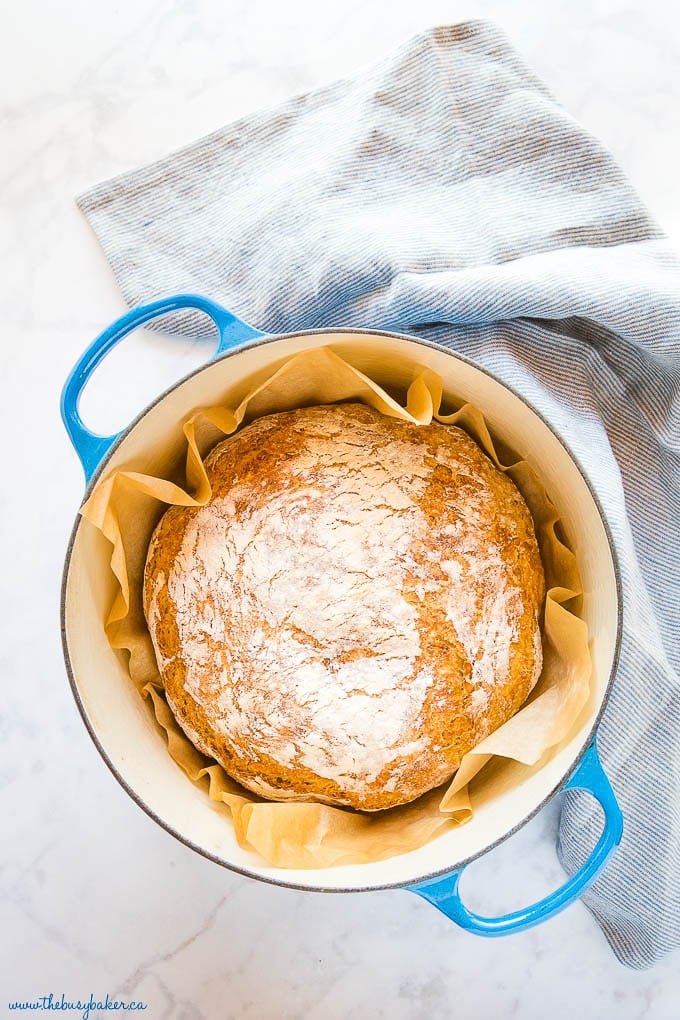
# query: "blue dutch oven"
{"points": [[118, 720]]}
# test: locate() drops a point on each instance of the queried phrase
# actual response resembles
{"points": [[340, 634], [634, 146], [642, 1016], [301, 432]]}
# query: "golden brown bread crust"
{"points": [[356, 607]]}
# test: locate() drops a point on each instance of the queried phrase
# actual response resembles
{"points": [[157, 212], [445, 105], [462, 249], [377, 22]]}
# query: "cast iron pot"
{"points": [[119, 722]]}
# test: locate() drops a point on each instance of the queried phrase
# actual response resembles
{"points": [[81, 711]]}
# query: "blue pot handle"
{"points": [[443, 892], [90, 447]]}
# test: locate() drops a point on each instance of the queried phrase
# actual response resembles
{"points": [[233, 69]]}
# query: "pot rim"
{"points": [[301, 886]]}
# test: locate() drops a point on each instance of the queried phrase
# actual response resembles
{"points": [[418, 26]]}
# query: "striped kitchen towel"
{"points": [[447, 194]]}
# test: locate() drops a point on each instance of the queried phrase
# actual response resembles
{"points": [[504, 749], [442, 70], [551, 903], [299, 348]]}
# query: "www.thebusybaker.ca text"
{"points": [[84, 1007]]}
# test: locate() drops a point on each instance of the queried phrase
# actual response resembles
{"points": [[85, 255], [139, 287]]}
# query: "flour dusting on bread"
{"points": [[356, 606]]}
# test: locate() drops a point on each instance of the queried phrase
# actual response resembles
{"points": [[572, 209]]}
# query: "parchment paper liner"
{"points": [[125, 506]]}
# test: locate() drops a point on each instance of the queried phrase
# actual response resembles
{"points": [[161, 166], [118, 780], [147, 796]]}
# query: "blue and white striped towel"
{"points": [[447, 194]]}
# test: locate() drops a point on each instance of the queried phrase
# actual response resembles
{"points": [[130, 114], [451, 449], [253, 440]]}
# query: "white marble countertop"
{"points": [[94, 896]]}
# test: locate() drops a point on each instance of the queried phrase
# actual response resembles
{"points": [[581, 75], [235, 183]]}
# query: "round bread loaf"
{"points": [[354, 609]]}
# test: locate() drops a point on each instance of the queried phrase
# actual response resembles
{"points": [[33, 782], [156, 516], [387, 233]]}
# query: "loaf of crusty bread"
{"points": [[354, 609]]}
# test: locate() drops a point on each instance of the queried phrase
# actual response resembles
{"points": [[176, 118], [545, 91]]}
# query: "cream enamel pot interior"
{"points": [[119, 722]]}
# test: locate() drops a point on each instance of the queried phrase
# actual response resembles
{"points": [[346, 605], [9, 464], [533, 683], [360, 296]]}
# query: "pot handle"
{"points": [[443, 892], [91, 447]]}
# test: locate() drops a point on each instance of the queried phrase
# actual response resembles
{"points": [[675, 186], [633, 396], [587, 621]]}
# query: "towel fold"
{"points": [[445, 193]]}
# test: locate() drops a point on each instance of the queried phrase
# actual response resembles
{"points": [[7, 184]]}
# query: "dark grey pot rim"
{"points": [[262, 341]]}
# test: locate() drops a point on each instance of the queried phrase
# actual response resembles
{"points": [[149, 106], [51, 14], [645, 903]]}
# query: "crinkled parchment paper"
{"points": [[125, 506]]}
